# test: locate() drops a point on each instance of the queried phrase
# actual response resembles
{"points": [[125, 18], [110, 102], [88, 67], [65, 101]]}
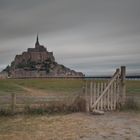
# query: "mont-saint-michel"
{"points": [[37, 62]]}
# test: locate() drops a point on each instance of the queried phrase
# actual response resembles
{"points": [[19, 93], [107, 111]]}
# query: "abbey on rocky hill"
{"points": [[38, 62]]}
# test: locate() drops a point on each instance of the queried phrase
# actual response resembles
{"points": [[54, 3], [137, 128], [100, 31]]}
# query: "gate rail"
{"points": [[106, 95]]}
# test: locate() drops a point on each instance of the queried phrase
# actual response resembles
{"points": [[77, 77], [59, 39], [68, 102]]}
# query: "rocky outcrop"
{"points": [[38, 62]]}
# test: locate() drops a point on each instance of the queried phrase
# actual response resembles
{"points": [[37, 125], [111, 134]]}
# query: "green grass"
{"points": [[133, 87], [53, 88], [52, 85], [55, 85], [9, 86]]}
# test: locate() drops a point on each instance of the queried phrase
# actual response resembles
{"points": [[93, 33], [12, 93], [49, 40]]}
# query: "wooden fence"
{"points": [[106, 95], [18, 102]]}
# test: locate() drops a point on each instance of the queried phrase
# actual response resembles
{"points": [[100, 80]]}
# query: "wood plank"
{"points": [[108, 99], [118, 92], [111, 97], [105, 98], [98, 94], [97, 112], [101, 90], [86, 96], [104, 92], [91, 93], [94, 94], [115, 94]]}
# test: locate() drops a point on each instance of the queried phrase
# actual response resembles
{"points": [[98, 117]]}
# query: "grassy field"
{"points": [[133, 87], [40, 91], [51, 85]]}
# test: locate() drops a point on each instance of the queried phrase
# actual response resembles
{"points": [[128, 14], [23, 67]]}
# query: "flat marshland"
{"points": [[34, 91], [75, 126], [55, 86], [48, 85]]}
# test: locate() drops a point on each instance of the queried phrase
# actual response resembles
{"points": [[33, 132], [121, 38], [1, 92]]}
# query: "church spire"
{"points": [[37, 41]]}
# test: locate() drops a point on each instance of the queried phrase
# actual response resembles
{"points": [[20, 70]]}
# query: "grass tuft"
{"points": [[5, 112]]}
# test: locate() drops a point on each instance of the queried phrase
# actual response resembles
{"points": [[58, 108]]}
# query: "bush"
{"points": [[54, 107], [34, 110], [78, 105], [5, 112]]}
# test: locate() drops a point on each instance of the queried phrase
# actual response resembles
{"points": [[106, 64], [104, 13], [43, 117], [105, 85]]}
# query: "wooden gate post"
{"points": [[123, 84], [91, 96], [13, 102], [86, 96]]}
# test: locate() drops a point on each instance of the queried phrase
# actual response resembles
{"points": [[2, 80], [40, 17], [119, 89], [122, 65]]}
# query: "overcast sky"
{"points": [[91, 36]]}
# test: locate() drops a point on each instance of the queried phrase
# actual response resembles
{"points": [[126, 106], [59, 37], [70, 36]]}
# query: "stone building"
{"points": [[38, 62]]}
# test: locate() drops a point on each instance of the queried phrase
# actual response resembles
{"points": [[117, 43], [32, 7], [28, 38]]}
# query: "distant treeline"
{"points": [[129, 77]]}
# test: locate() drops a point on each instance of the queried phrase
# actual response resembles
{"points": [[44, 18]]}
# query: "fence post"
{"points": [[123, 84], [91, 94], [86, 96], [13, 102]]}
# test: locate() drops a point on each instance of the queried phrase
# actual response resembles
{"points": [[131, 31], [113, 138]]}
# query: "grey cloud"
{"points": [[64, 14], [76, 30]]}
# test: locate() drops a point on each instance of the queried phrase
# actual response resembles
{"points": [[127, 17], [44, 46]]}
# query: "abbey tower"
{"points": [[38, 62]]}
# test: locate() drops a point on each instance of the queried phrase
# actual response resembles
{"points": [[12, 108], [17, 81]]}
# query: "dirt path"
{"points": [[114, 126], [76, 126], [36, 92]]}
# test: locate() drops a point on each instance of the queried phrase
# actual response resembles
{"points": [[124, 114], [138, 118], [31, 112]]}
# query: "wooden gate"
{"points": [[104, 95]]}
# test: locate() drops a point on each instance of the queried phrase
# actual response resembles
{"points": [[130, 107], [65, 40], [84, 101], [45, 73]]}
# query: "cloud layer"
{"points": [[92, 36]]}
